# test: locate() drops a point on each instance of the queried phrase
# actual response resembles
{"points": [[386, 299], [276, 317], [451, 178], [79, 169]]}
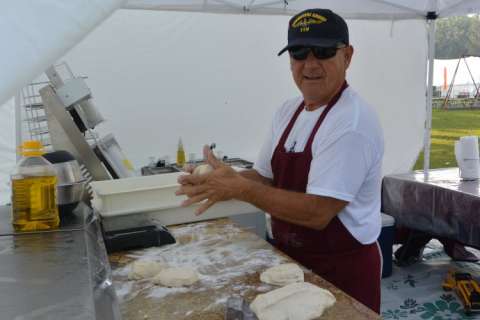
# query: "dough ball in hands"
{"points": [[297, 301], [176, 277], [203, 169], [145, 269], [282, 275]]}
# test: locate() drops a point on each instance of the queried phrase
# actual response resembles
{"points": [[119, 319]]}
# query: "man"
{"points": [[319, 171]]}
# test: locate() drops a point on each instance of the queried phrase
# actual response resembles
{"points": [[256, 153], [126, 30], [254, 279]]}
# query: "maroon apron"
{"points": [[333, 253]]}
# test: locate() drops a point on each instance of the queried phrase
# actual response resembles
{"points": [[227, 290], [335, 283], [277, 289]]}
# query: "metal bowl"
{"points": [[68, 172], [70, 182], [69, 196], [70, 193]]}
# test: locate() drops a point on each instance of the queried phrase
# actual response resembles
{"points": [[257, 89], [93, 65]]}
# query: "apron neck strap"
{"points": [[329, 107], [289, 127]]}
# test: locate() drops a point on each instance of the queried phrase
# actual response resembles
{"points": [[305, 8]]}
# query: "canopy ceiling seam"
{"points": [[252, 4], [228, 3], [398, 6], [264, 4], [412, 14], [262, 8], [188, 8], [173, 7], [446, 11]]}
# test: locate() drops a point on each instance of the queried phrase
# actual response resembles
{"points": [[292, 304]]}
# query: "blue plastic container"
{"points": [[385, 240]]}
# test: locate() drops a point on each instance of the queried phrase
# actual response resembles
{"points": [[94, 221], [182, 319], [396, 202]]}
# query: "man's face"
{"points": [[319, 79]]}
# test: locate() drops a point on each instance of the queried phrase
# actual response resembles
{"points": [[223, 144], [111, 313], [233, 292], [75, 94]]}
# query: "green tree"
{"points": [[457, 36]]}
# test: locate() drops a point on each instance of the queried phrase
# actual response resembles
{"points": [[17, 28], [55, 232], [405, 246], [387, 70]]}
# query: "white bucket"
{"points": [[467, 155]]}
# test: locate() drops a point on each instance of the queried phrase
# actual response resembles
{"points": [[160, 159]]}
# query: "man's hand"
{"points": [[188, 168], [223, 183]]}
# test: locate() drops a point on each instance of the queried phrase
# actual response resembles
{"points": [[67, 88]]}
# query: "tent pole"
{"points": [[428, 121], [18, 124]]}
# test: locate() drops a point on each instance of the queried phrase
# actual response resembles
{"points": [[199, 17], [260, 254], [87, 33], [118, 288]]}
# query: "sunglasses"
{"points": [[301, 53]]}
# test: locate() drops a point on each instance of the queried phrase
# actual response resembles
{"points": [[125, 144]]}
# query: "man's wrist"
{"points": [[246, 190]]}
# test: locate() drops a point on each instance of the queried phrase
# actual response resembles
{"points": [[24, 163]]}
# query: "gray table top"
{"points": [[60, 274], [447, 178], [439, 203], [72, 222]]}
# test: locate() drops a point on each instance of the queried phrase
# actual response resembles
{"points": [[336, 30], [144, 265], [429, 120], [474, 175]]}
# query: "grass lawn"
{"points": [[447, 127]]}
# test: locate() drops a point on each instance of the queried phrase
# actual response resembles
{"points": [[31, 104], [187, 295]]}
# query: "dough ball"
{"points": [[203, 169], [176, 277], [282, 275], [145, 269], [297, 301]]}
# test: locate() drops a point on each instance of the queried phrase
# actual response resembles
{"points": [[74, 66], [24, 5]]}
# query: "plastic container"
{"points": [[155, 194], [34, 183], [385, 240]]}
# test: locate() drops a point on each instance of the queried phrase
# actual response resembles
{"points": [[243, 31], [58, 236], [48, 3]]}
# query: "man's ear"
{"points": [[348, 56]]}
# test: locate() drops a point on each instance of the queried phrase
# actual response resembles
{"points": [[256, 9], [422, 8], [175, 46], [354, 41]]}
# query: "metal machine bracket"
{"points": [[65, 135]]}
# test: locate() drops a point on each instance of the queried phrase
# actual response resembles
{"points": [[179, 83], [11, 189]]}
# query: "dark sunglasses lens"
{"points": [[324, 53], [299, 53]]}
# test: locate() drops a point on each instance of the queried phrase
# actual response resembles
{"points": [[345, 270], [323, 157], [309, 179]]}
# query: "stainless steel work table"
{"points": [[61, 274], [439, 203]]}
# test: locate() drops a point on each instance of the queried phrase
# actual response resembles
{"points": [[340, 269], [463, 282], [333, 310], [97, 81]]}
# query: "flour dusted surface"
{"points": [[223, 259], [229, 261]]}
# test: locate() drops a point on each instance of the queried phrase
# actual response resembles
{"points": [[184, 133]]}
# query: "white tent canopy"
{"points": [[350, 9], [36, 33], [225, 88]]}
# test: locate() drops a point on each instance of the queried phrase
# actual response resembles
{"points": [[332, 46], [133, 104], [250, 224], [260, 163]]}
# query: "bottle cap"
{"points": [[31, 148]]}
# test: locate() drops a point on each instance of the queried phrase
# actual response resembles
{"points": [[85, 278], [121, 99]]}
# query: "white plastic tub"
{"points": [[155, 194]]}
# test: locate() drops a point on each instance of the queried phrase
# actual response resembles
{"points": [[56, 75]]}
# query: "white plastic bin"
{"points": [[156, 194]]}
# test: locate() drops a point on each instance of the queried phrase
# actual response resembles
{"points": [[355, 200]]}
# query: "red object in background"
{"points": [[445, 85]]}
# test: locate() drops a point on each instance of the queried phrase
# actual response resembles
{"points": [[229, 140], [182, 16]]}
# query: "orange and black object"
{"points": [[467, 289]]}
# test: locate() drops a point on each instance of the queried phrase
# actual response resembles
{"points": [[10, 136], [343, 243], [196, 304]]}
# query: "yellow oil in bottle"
{"points": [[34, 204], [180, 154]]}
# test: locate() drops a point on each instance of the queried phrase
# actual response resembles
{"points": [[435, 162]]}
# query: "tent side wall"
{"points": [[7, 148], [157, 76]]}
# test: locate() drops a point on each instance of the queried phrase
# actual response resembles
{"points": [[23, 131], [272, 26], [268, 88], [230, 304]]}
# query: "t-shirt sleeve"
{"points": [[339, 168]]}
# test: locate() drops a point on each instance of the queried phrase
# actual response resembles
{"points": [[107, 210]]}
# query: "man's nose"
{"points": [[311, 60]]}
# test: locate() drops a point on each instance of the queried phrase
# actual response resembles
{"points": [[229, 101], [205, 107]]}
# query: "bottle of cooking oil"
{"points": [[180, 154], [34, 183]]}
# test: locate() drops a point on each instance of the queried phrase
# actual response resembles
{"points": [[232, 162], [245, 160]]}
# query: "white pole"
{"points": [[18, 124], [428, 121]]}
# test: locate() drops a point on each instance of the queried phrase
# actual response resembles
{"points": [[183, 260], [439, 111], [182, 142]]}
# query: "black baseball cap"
{"points": [[316, 27]]}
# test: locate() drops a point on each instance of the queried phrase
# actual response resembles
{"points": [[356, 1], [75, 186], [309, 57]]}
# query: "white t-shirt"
{"points": [[346, 162]]}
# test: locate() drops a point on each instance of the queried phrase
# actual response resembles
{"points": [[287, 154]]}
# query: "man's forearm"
{"points": [[298, 208], [252, 174]]}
